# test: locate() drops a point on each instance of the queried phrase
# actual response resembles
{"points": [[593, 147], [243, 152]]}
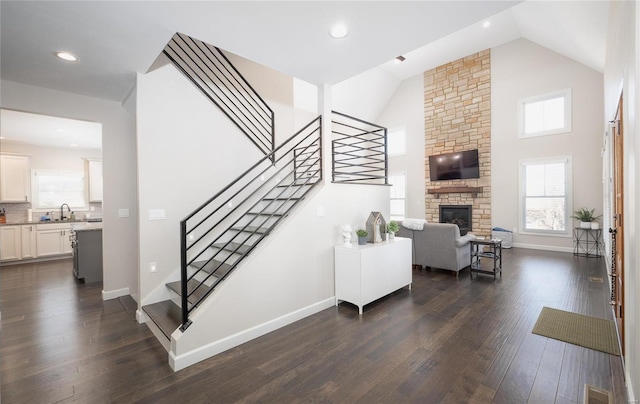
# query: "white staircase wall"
{"points": [[187, 151], [289, 276]]}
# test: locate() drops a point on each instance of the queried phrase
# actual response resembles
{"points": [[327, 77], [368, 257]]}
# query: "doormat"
{"points": [[578, 329]]}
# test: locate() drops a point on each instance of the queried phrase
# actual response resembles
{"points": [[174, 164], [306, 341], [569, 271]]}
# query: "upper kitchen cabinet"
{"points": [[95, 180], [15, 178]]}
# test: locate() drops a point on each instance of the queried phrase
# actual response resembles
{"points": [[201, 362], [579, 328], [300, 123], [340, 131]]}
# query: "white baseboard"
{"points": [[543, 247], [189, 358], [114, 294], [141, 317]]}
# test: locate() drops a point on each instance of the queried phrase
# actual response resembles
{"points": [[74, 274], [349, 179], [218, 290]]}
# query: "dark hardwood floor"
{"points": [[447, 340]]}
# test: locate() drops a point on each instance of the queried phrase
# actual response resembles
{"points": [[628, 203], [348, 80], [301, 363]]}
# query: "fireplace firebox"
{"points": [[457, 214]]}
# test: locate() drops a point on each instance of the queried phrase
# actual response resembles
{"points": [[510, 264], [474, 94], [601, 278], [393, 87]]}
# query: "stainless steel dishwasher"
{"points": [[87, 254]]}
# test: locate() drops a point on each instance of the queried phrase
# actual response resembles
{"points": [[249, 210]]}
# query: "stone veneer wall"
{"points": [[457, 106]]}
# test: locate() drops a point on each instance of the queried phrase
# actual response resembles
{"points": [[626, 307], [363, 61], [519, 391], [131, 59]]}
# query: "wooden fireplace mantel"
{"points": [[455, 190]]}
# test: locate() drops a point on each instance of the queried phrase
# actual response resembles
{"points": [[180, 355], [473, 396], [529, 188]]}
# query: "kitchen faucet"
{"points": [[68, 210]]}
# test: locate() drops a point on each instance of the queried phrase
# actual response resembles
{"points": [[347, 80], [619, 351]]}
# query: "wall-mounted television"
{"points": [[454, 166]]}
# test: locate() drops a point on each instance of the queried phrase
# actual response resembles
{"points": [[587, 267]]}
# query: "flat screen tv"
{"points": [[454, 166]]}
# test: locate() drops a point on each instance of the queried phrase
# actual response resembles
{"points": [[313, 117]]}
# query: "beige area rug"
{"points": [[589, 332]]}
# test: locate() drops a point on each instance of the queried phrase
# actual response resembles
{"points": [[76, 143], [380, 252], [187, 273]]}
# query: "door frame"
{"points": [[618, 220]]}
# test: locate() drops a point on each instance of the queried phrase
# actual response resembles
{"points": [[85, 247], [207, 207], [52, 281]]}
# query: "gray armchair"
{"points": [[439, 245]]}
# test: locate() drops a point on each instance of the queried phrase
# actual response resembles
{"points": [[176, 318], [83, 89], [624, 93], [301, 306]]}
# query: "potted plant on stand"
{"points": [[362, 236], [392, 229], [586, 217]]}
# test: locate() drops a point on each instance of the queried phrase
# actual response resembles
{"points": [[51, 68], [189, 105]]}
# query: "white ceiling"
{"points": [[115, 40], [49, 131]]}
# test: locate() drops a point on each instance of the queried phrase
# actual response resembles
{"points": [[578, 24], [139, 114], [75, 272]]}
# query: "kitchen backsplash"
{"points": [[18, 212]]}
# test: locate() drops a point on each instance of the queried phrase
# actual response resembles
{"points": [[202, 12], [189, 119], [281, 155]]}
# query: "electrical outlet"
{"points": [[123, 212], [153, 267]]}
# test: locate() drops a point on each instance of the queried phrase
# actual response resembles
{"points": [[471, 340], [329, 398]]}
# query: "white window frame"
{"points": [[567, 160], [391, 216], [523, 102], [397, 132], [35, 195]]}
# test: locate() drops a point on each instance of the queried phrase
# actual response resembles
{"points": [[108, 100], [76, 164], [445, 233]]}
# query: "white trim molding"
{"points": [[114, 294]]}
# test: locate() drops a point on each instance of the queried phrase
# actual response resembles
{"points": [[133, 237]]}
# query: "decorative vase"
{"points": [[391, 236], [585, 225], [362, 240], [595, 225], [346, 235]]}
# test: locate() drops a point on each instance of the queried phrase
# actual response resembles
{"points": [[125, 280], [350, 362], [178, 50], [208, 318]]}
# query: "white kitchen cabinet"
{"points": [[15, 178], [95, 180], [365, 273], [28, 244], [53, 239], [10, 243]]}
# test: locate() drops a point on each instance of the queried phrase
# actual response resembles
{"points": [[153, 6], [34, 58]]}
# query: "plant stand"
{"points": [[586, 242]]}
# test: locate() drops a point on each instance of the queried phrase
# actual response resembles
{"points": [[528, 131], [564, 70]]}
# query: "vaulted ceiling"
{"points": [[114, 40]]}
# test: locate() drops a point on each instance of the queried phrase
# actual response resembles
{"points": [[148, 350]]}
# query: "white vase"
{"points": [[585, 225], [595, 225]]}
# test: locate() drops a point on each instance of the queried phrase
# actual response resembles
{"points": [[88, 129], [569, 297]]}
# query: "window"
{"points": [[545, 195], [546, 114], [398, 196], [396, 142], [52, 188]]}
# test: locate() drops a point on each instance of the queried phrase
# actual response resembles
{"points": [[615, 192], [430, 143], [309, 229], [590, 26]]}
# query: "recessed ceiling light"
{"points": [[486, 24], [59, 130], [73, 145], [399, 59], [338, 31], [66, 56]]}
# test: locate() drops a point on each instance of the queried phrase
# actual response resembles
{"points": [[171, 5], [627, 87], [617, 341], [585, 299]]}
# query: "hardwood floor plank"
{"points": [[545, 386], [447, 340]]}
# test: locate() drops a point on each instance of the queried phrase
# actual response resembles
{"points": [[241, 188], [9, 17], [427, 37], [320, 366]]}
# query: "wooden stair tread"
{"points": [[252, 229], [166, 315], [194, 291], [282, 198], [214, 265], [274, 214], [233, 247]]}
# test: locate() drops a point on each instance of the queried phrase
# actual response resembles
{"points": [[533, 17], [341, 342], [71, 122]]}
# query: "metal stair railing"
{"points": [[208, 68], [224, 230], [359, 151]]}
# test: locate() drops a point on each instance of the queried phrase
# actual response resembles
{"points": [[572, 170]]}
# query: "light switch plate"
{"points": [[123, 212], [156, 214], [320, 211]]}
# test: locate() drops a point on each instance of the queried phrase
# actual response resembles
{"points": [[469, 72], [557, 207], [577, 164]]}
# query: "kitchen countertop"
{"points": [[25, 223]]}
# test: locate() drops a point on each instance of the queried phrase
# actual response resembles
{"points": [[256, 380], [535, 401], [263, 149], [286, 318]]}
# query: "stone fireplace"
{"points": [[457, 214], [457, 117]]}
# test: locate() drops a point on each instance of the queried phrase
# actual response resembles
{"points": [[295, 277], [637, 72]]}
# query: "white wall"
{"points": [[120, 235], [622, 75], [522, 69], [187, 151], [289, 276], [406, 109], [365, 95]]}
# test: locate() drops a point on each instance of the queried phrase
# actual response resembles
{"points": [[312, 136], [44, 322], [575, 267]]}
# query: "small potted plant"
{"points": [[392, 229], [586, 217], [362, 236]]}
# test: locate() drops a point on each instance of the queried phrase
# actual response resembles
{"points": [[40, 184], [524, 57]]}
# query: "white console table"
{"points": [[365, 273]]}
